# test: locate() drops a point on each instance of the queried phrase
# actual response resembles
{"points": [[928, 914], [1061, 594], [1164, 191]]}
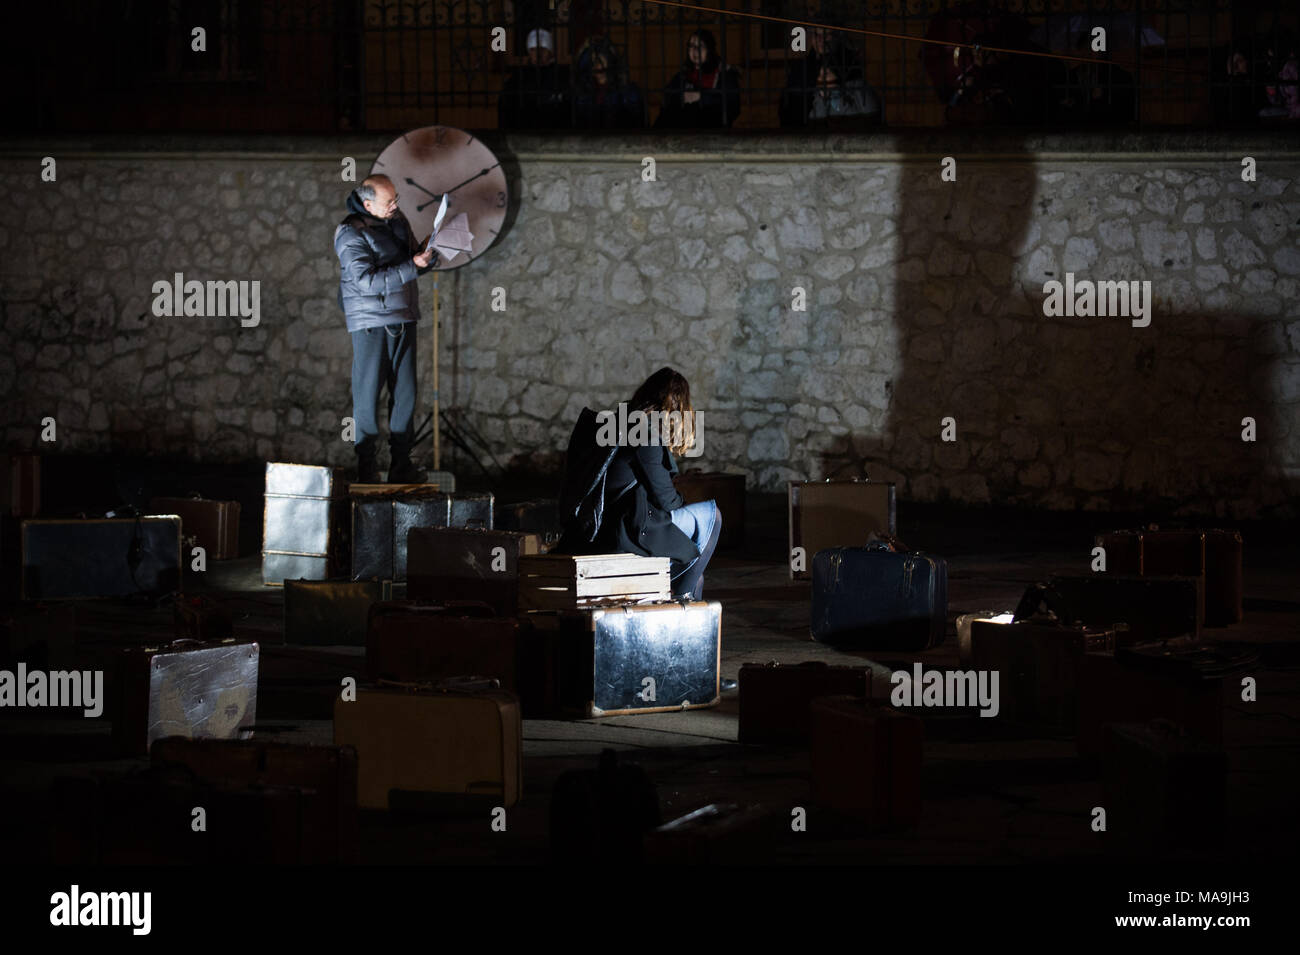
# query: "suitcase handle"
{"points": [[451, 685]]}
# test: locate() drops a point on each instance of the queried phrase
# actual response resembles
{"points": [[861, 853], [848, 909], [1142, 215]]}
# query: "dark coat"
{"points": [[717, 107], [639, 521], [535, 97], [801, 81], [377, 277], [633, 497]]}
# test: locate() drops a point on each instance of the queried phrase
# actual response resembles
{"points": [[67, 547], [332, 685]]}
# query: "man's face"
{"points": [[384, 205], [695, 51], [540, 56], [819, 39], [599, 70]]}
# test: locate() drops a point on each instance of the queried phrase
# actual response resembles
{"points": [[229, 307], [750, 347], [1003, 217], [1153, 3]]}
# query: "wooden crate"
{"points": [[564, 582]]}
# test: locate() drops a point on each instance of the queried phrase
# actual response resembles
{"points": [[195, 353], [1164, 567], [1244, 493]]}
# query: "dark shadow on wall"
{"points": [[1064, 412]]}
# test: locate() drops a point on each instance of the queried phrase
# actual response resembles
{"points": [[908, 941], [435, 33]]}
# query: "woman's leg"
{"points": [[703, 524]]}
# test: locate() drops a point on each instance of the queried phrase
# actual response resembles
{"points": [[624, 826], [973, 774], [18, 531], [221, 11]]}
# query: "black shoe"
{"points": [[367, 472], [404, 472]]}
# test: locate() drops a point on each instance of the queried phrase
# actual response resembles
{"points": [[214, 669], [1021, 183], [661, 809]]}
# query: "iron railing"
{"points": [[305, 65]]}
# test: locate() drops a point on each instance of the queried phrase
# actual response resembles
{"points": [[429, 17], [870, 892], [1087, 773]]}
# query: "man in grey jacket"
{"points": [[380, 299]]}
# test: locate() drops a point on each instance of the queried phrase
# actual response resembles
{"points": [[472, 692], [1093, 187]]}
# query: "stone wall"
{"points": [[924, 301]]}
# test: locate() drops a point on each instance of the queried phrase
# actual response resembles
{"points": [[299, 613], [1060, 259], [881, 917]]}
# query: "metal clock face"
{"points": [[428, 162]]}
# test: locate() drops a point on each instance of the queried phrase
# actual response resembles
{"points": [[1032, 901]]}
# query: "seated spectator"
{"points": [[536, 95], [802, 74], [604, 97], [1236, 100], [1281, 76], [1006, 88], [705, 93], [835, 99], [1098, 94]]}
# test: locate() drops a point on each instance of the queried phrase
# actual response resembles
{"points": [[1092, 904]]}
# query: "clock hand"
{"points": [[421, 207], [412, 182], [477, 175]]}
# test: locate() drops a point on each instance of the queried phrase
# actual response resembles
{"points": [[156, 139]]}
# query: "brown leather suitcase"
{"points": [[214, 525], [727, 490], [465, 745], [837, 514], [186, 688], [1165, 791], [1123, 551], [459, 563], [1039, 665], [774, 697], [1213, 554], [327, 773], [201, 617], [304, 524], [331, 612], [1114, 691], [963, 627], [21, 473], [416, 642], [1224, 590], [147, 818], [866, 760]]}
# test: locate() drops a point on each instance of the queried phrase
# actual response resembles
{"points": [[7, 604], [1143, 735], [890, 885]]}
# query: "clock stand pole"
{"points": [[437, 445]]}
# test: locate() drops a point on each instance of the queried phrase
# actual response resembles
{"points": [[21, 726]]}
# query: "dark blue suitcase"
{"points": [[879, 599]]}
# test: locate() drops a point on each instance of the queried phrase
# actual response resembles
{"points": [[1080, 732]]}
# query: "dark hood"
{"points": [[354, 205]]}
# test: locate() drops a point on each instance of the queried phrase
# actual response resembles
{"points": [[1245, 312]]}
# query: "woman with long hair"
{"points": [[604, 96], [705, 93], [640, 509]]}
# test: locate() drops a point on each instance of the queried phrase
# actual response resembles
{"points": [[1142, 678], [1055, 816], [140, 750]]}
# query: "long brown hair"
{"points": [[667, 391]]}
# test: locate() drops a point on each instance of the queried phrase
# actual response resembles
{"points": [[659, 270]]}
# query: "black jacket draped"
{"points": [[638, 499]]}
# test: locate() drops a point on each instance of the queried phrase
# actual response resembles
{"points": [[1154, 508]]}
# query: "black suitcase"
{"points": [[1153, 608], [540, 517], [879, 599], [464, 563], [111, 557], [605, 658], [599, 817], [383, 516], [304, 523]]}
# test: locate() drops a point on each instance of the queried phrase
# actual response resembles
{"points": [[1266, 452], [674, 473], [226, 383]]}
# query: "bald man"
{"points": [[380, 299]]}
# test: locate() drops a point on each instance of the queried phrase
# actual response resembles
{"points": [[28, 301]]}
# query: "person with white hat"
{"points": [[536, 95]]}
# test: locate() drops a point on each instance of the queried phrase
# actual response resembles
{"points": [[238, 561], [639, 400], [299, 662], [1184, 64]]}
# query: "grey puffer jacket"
{"points": [[377, 282]]}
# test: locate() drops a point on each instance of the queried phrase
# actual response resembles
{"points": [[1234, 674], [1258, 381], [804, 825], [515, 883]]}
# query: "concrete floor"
{"points": [[990, 794]]}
